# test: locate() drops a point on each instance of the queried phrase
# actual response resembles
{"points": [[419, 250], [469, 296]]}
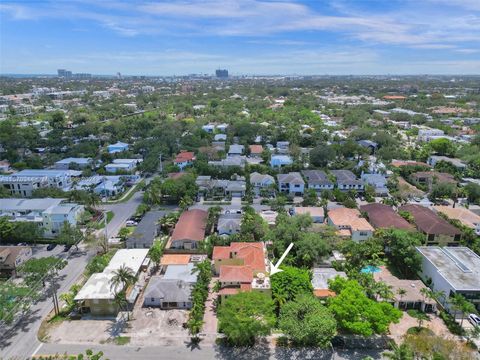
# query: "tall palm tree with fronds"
{"points": [[401, 292], [121, 280]]}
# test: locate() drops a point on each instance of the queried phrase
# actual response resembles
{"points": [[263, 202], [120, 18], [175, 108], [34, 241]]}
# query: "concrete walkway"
{"points": [[210, 321]]}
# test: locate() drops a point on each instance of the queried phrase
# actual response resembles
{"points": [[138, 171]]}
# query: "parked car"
{"points": [[50, 247], [474, 319], [67, 247], [131, 223]]}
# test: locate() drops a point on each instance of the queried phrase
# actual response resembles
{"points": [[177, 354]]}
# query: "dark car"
{"points": [[51, 247], [67, 247]]}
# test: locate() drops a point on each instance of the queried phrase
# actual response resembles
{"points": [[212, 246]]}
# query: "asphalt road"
{"points": [[207, 352], [123, 211], [21, 342]]}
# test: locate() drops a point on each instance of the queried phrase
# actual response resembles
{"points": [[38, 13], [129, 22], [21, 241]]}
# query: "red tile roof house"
{"points": [[184, 159], [256, 151], [383, 216], [437, 230], [241, 267], [189, 231]]}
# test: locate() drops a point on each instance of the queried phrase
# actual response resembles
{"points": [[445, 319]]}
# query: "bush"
{"points": [[451, 324], [199, 296]]}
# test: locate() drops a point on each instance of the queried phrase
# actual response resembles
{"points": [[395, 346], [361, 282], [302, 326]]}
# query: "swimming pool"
{"points": [[370, 269]]}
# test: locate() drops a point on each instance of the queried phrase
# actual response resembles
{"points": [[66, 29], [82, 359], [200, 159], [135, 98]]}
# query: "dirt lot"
{"points": [[406, 322]]}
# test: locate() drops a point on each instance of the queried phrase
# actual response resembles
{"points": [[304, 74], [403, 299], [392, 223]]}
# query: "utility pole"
{"points": [[161, 165], [56, 308], [105, 215]]}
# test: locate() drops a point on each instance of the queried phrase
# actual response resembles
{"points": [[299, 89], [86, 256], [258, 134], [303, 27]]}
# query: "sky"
{"points": [[181, 37]]}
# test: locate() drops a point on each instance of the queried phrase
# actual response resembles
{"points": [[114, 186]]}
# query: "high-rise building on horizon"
{"points": [[221, 73]]}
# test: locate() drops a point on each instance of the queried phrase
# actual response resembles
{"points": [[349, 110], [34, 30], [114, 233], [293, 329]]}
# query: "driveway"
{"points": [[210, 321]]}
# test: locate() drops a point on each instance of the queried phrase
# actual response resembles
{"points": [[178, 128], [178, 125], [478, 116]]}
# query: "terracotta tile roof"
{"points": [[243, 274], [399, 163], [349, 217], [465, 216], [252, 254], [429, 222], [229, 291], [245, 287], [394, 97], [185, 156], [191, 226], [175, 259], [256, 149], [311, 210], [383, 216], [324, 293]]}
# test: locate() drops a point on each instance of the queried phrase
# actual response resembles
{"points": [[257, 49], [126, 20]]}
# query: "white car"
{"points": [[131, 223], [474, 319]]}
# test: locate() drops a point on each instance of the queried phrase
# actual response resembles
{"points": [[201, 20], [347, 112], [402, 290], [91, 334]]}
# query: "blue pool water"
{"points": [[370, 269]]}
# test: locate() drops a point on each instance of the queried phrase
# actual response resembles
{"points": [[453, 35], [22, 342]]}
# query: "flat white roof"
{"points": [[97, 287], [460, 266], [132, 258]]}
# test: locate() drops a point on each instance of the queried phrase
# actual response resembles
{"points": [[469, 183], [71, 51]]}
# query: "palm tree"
{"points": [[402, 352], [460, 303], [401, 292], [121, 280]]}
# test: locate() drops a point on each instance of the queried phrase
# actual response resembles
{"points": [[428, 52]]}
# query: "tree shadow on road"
{"points": [[23, 326], [259, 351]]}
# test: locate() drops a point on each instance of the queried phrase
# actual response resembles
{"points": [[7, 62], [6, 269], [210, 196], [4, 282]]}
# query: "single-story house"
{"points": [[457, 163], [256, 150], [384, 217], [11, 257], [184, 159], [146, 231], [168, 293], [412, 298], [189, 230], [117, 147], [278, 161], [229, 224], [72, 163], [236, 150]]}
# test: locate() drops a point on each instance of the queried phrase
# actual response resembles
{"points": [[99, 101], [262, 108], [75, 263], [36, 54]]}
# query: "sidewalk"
{"points": [[210, 321]]}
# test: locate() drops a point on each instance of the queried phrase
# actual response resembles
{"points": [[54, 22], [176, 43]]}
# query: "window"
{"points": [[152, 299]]}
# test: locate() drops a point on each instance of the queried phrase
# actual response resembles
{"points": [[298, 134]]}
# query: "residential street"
{"points": [[207, 352], [22, 341]]}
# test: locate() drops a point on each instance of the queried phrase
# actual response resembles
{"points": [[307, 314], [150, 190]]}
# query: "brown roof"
{"points": [[429, 222], [322, 293], [191, 225], [441, 177], [256, 149], [311, 210], [412, 287], [176, 175], [399, 163], [383, 216], [185, 156]]}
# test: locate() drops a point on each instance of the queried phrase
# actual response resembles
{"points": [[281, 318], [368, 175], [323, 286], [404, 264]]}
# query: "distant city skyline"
{"points": [[340, 37]]}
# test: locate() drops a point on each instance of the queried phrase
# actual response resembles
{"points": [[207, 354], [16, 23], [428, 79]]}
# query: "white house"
{"points": [[452, 270], [24, 182], [50, 214], [278, 161], [117, 147], [71, 162]]}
